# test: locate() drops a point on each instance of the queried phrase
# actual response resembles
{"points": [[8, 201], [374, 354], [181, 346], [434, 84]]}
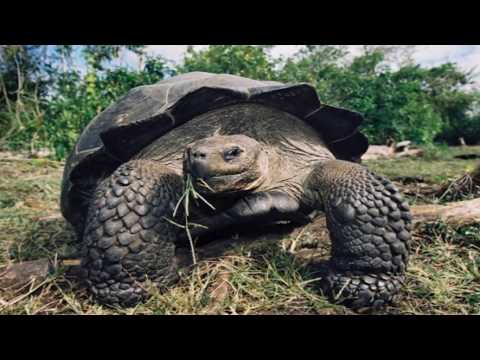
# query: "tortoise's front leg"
{"points": [[369, 225], [127, 238]]}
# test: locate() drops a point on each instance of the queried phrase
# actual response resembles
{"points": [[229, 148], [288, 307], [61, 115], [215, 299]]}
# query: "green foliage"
{"points": [[97, 55], [395, 109], [80, 101], [443, 87], [46, 99], [56, 120], [410, 103], [243, 60], [317, 65]]}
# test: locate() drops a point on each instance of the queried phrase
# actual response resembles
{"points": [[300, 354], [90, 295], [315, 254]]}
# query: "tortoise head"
{"points": [[226, 164]]}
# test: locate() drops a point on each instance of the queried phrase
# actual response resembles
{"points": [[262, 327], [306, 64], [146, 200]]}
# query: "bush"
{"points": [[468, 129]]}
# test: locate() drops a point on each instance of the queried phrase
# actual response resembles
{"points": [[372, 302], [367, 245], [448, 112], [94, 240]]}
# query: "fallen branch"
{"points": [[456, 214], [401, 149]]}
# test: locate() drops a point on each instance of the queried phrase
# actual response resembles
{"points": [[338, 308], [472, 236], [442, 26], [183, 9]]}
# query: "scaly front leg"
{"points": [[369, 225], [127, 238]]}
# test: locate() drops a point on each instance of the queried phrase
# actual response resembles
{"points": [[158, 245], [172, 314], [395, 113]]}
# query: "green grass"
{"points": [[267, 276], [444, 273], [437, 166]]}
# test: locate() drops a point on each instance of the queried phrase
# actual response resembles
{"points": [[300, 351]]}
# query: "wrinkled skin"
{"points": [[227, 164], [255, 165]]}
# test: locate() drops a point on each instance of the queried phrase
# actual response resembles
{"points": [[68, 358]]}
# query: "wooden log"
{"points": [[376, 152], [456, 214]]}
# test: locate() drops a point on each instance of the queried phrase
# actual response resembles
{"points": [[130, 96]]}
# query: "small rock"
{"points": [[23, 272]]}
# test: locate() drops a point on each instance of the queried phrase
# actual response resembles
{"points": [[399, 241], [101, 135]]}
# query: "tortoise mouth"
{"points": [[213, 184], [240, 182]]}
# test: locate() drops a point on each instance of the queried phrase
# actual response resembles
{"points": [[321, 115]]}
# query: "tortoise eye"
{"points": [[232, 153]]}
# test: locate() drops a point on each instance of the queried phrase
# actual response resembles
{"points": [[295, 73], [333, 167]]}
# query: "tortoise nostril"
{"points": [[199, 155]]}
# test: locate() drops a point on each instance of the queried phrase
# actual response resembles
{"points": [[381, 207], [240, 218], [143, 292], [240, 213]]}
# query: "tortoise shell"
{"points": [[147, 112]]}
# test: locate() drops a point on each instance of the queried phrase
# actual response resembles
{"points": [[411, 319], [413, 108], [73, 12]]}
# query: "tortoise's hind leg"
{"points": [[369, 225], [127, 239]]}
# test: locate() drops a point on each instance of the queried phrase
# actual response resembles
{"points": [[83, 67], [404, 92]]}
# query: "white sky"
{"points": [[466, 56]]}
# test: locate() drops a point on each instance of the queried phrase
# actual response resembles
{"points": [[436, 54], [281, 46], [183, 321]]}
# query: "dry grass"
{"points": [[266, 276]]}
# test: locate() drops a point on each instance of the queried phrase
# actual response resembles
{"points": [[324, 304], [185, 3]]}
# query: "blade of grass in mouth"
{"points": [[185, 199]]}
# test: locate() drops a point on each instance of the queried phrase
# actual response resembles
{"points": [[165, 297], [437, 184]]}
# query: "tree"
{"points": [[397, 55], [444, 86], [318, 65], [80, 99], [97, 55], [243, 60], [405, 102], [53, 101], [22, 83], [49, 93]]}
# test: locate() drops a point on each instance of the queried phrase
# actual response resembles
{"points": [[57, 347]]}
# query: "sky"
{"points": [[466, 56]]}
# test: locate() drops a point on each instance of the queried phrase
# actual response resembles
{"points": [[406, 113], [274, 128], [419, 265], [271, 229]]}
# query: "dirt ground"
{"points": [[253, 273]]}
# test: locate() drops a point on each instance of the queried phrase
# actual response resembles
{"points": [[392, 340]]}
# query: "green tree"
{"points": [[22, 84], [80, 99], [318, 65], [49, 93], [48, 101], [243, 60], [408, 103]]}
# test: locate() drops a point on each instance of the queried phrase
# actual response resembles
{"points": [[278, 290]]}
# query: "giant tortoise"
{"points": [[257, 152]]}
